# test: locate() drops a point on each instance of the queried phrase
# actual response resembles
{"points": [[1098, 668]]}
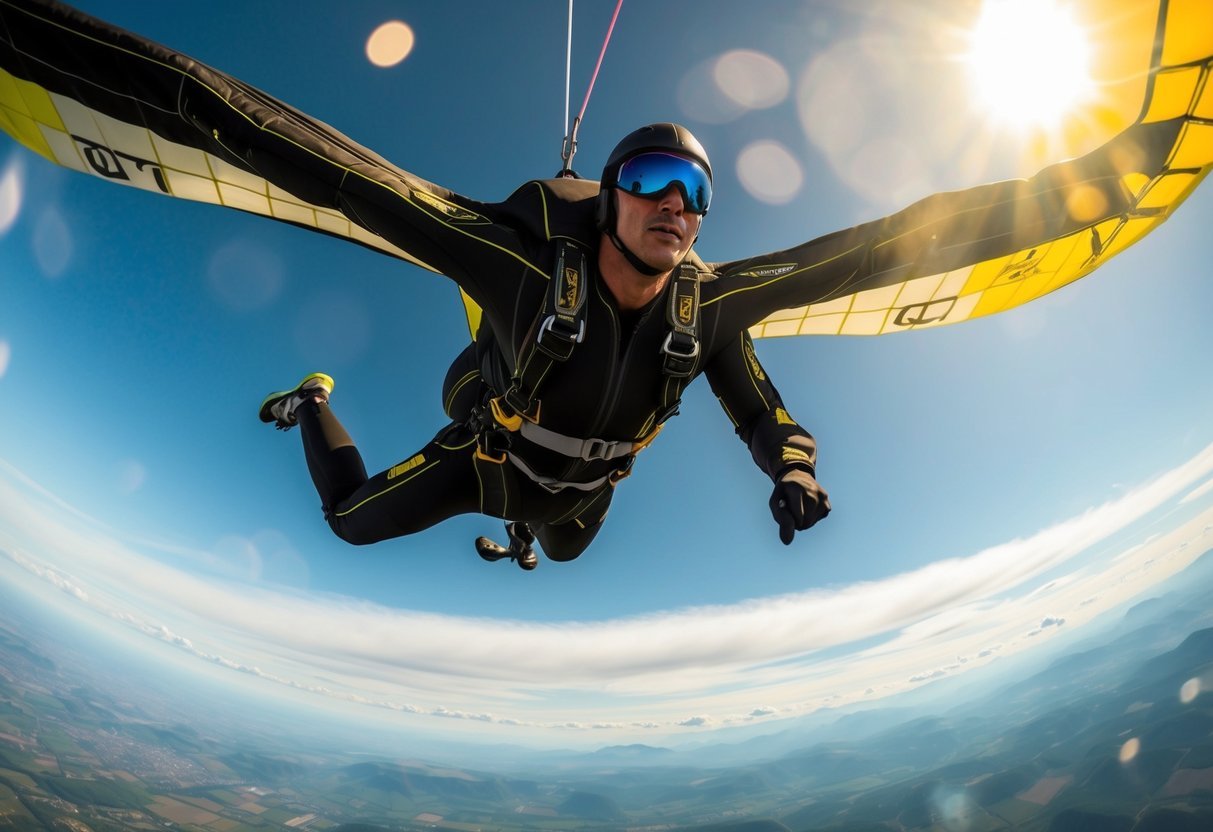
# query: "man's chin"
{"points": [[664, 261]]}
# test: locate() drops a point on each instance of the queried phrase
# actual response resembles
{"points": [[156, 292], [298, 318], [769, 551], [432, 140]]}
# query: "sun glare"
{"points": [[1029, 61]]}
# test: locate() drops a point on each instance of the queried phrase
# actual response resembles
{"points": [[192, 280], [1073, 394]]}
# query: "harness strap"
{"points": [[680, 350], [586, 449], [559, 327], [552, 484], [564, 307], [489, 463]]}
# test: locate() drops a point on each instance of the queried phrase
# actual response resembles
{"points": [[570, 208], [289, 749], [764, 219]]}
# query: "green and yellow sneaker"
{"points": [[279, 408]]}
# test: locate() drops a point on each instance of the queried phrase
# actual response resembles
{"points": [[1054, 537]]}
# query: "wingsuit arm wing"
{"points": [[956, 256], [93, 97], [961, 255]]}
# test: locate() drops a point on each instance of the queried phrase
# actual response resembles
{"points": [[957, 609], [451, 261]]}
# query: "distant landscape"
{"points": [[1115, 735]]}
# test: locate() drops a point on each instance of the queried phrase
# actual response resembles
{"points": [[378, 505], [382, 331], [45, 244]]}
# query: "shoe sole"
{"points": [[491, 550], [273, 398]]}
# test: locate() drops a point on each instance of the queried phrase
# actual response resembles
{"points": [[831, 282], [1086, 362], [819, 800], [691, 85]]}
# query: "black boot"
{"points": [[521, 538]]}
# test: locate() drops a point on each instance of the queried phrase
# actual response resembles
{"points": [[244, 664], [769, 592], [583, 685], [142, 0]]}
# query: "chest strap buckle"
{"points": [[679, 352]]}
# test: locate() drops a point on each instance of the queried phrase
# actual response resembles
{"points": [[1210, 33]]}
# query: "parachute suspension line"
{"points": [[568, 72], [598, 66], [570, 139]]}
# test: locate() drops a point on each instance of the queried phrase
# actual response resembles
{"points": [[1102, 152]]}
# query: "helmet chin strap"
{"points": [[637, 264]]}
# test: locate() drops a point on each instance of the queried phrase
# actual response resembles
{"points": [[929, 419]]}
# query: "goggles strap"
{"points": [[637, 264]]}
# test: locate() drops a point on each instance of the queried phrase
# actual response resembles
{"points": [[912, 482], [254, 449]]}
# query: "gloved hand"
{"points": [[797, 502]]}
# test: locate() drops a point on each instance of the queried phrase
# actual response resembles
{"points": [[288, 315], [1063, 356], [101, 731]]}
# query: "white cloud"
{"points": [[787, 651], [1198, 492], [443, 712]]}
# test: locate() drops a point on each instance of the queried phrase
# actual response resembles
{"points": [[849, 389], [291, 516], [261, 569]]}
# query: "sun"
{"points": [[1029, 62]]}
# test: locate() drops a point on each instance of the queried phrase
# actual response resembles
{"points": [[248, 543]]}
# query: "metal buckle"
{"points": [[567, 335], [678, 363], [667, 347], [592, 449]]}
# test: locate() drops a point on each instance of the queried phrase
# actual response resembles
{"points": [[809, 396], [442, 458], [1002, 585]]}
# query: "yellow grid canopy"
{"points": [[94, 98]]}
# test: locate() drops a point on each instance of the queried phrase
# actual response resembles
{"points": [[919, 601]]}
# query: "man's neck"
{"points": [[630, 288]]}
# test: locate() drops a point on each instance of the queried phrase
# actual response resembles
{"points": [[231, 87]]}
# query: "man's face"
{"points": [[659, 231]]}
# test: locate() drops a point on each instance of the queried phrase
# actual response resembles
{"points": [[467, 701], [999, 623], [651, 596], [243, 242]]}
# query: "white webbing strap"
{"points": [[587, 449]]}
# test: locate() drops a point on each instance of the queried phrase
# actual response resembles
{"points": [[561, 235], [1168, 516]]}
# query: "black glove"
{"points": [[797, 502]]}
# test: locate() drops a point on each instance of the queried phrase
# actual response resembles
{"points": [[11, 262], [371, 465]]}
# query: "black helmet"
{"points": [[664, 136]]}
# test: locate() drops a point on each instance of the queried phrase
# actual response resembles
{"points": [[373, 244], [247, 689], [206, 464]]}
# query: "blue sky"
{"points": [[989, 480]]}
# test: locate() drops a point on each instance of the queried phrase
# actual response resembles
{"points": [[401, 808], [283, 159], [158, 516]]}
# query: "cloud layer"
{"points": [[694, 668]]}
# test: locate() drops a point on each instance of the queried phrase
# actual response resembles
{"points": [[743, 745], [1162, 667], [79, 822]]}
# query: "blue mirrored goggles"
{"points": [[650, 175]]}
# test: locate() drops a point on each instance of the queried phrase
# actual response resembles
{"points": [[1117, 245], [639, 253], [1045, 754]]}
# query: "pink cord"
{"points": [[601, 54]]}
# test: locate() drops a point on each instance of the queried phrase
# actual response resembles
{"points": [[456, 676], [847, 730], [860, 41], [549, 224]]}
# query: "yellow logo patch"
{"points": [[770, 271], [572, 287], [782, 417], [755, 367], [686, 309], [449, 208], [1012, 272], [406, 466]]}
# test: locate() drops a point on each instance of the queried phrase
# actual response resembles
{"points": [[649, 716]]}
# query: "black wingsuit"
{"points": [[94, 97], [613, 386]]}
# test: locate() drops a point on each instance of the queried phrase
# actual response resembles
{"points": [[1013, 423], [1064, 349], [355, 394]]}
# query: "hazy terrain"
{"points": [[1115, 735]]}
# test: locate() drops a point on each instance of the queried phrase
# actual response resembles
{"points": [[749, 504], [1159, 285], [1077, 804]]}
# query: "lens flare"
{"points": [[1029, 62], [390, 43], [1130, 750], [10, 197], [751, 79], [769, 172], [131, 476], [245, 275], [53, 244]]}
